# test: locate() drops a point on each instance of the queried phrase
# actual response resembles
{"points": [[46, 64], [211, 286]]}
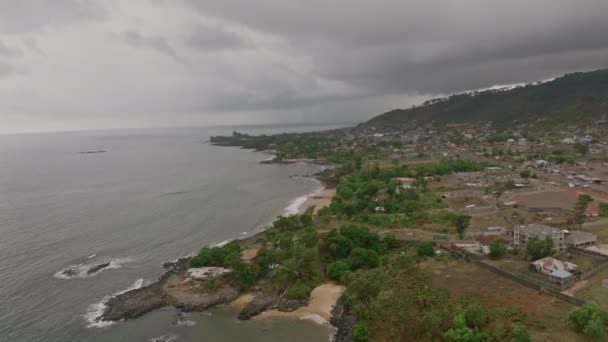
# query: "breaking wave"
{"points": [[95, 311], [84, 270]]}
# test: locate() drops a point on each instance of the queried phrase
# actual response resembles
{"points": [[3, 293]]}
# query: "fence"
{"points": [[536, 285]]}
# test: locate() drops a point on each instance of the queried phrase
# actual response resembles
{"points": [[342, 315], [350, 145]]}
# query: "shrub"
{"points": [[425, 249], [338, 269], [297, 291], [217, 256], [364, 258], [519, 333], [498, 248], [589, 312], [245, 276], [360, 333]]}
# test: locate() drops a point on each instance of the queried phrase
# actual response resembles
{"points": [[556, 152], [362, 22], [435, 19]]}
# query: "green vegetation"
{"points": [[579, 208], [539, 248], [603, 209], [590, 319], [425, 249], [498, 247], [375, 195], [462, 223]]}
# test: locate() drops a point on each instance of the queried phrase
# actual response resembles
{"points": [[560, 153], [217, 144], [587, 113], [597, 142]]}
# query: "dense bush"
{"points": [[338, 269], [223, 256], [425, 249], [590, 319], [298, 291]]}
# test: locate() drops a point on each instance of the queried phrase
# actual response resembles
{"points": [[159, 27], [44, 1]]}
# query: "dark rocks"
{"points": [[98, 267], [344, 322], [289, 305], [260, 303], [134, 303]]}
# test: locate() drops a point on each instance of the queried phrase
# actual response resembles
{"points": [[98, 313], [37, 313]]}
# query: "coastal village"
{"points": [[515, 218]]}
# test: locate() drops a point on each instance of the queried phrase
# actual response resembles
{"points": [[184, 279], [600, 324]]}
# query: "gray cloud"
{"points": [[32, 15], [215, 38], [413, 46], [6, 69], [137, 40], [239, 61], [8, 51]]}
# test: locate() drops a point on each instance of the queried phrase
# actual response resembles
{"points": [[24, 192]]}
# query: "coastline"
{"points": [[174, 287]]}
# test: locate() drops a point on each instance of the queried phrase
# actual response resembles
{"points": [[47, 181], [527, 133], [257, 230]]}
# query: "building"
{"points": [[577, 238], [521, 235], [484, 242], [558, 272], [406, 182]]}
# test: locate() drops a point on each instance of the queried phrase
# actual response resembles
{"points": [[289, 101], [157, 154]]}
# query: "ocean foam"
{"points": [[322, 321], [222, 244], [95, 311], [164, 338], [81, 270], [294, 207]]}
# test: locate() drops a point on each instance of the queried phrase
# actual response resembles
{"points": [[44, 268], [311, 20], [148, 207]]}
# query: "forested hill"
{"points": [[571, 98]]}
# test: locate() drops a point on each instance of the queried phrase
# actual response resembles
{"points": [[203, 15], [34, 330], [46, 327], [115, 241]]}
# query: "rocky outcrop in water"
{"points": [[260, 303], [98, 267], [173, 288]]}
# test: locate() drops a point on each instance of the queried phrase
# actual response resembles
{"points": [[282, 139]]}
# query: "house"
{"points": [[406, 182], [559, 272], [591, 212], [577, 238], [204, 273], [523, 233], [484, 242]]}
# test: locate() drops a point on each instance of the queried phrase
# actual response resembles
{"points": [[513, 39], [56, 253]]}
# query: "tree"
{"points": [[475, 316], [338, 269], [579, 208], [579, 317], [245, 276], [583, 202], [525, 174], [604, 209], [538, 249], [519, 333], [364, 258], [425, 249], [498, 248], [462, 222]]}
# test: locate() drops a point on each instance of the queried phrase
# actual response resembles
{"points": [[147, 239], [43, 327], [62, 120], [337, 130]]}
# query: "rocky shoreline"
{"points": [[174, 288]]}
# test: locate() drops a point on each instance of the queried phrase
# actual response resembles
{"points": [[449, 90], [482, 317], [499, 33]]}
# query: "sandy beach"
{"points": [[319, 200], [322, 300]]}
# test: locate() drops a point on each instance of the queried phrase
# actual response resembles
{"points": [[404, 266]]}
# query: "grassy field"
{"points": [[545, 316]]}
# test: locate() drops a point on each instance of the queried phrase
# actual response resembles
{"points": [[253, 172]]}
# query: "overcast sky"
{"points": [[72, 64]]}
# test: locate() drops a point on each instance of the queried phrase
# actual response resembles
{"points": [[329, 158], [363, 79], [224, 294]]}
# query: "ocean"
{"points": [[154, 195]]}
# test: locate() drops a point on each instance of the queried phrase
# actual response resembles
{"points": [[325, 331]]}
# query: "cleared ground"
{"points": [[546, 316]]}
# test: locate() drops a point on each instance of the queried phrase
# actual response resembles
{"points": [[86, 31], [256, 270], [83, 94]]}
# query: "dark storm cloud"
{"points": [[140, 41], [433, 46], [104, 61], [215, 38], [30, 15]]}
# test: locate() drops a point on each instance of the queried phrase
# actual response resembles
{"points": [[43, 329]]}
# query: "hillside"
{"points": [[573, 97]]}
